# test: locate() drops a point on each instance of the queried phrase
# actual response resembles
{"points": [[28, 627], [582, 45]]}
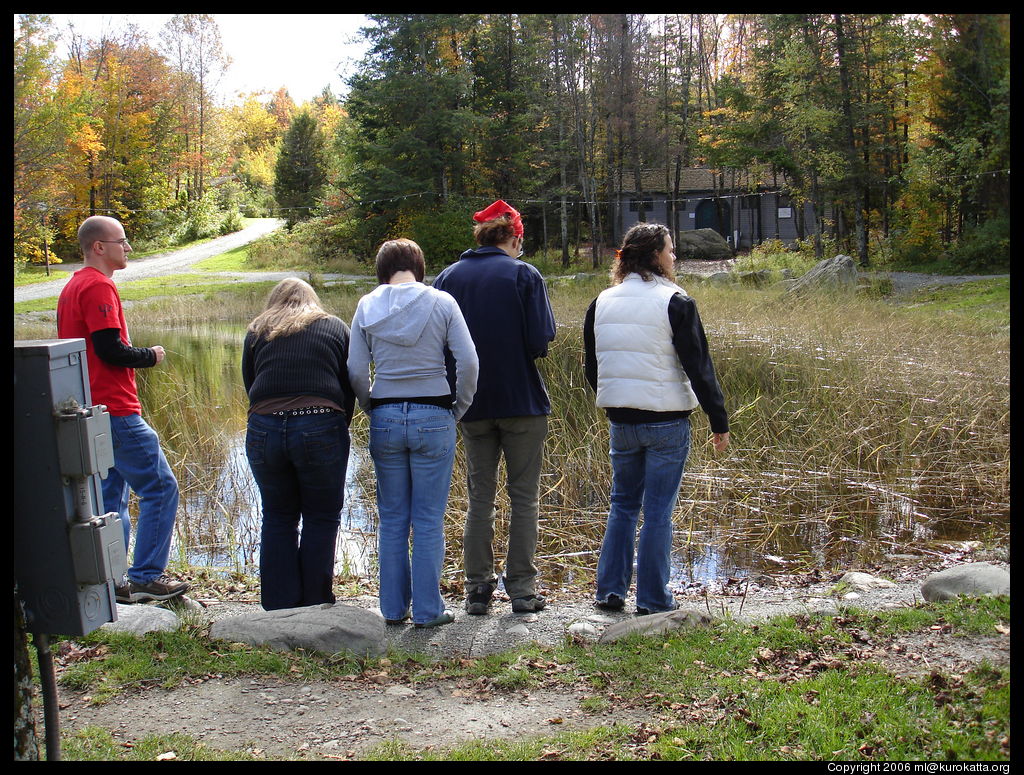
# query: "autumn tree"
{"points": [[192, 45]]}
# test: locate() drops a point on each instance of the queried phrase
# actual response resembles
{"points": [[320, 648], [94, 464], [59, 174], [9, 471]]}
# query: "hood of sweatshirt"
{"points": [[398, 313]]}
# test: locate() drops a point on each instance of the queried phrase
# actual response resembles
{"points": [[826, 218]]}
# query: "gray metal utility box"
{"points": [[67, 551]]}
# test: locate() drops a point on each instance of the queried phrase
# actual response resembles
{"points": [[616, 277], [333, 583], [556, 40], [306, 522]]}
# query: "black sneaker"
{"points": [[647, 612], [405, 617], [479, 599], [123, 591], [161, 588], [613, 603], [528, 605]]}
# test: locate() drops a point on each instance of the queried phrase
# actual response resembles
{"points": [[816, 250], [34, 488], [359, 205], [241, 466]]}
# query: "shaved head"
{"points": [[94, 228]]}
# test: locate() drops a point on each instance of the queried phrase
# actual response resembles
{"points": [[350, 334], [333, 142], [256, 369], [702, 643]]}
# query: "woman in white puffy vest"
{"points": [[647, 358]]}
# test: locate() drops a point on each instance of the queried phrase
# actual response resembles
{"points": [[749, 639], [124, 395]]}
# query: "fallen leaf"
{"points": [[1003, 629], [167, 756]]}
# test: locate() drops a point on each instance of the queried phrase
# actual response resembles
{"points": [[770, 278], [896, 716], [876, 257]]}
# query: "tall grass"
{"points": [[858, 428]]}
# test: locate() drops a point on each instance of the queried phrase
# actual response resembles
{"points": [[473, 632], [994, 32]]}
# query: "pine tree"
{"points": [[301, 171]]}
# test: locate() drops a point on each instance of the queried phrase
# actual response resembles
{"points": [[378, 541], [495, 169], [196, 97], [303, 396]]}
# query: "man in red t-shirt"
{"points": [[90, 308]]}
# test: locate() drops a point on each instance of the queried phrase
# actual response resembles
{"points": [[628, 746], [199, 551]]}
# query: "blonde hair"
{"points": [[291, 306]]}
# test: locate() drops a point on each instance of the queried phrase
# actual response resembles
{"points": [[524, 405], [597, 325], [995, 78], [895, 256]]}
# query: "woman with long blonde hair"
{"points": [[300, 404]]}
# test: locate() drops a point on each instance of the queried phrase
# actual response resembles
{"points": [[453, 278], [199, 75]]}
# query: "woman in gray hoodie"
{"points": [[404, 328]]}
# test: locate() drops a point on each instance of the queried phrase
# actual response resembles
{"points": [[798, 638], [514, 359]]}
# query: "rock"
{"points": [[327, 628], [902, 557], [720, 278], [657, 624], [686, 279], [837, 273], [140, 619], [703, 245], [851, 596], [974, 579], [585, 629], [757, 279], [865, 581], [400, 691], [518, 629]]}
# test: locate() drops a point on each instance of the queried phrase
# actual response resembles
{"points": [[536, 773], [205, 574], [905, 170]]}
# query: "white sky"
{"points": [[302, 52]]}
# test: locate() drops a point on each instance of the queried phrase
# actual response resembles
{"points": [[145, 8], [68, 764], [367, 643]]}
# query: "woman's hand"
{"points": [[720, 440]]}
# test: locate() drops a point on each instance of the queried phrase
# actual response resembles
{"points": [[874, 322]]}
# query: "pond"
{"points": [[776, 502]]}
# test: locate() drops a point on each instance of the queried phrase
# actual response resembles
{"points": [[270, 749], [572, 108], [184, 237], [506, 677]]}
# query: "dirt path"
{"points": [[160, 264], [346, 717]]}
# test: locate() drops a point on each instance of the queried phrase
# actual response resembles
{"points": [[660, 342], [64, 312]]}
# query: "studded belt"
{"points": [[305, 410]]}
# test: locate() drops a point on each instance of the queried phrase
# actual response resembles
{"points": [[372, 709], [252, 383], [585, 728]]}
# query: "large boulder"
{"points": [[973, 579], [832, 274], [703, 245], [657, 624], [140, 619], [327, 628]]}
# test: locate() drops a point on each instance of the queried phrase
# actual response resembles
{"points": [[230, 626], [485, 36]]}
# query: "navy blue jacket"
{"points": [[505, 303]]}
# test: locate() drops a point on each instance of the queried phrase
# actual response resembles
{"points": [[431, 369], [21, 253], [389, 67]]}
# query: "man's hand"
{"points": [[720, 440], [160, 356]]}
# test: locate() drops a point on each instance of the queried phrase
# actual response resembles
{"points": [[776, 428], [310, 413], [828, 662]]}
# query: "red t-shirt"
{"points": [[88, 303]]}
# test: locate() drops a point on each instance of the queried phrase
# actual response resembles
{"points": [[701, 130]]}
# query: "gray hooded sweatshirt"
{"points": [[404, 329]]}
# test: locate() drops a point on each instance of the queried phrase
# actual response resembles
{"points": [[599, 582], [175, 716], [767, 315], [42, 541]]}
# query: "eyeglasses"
{"points": [[122, 242]]}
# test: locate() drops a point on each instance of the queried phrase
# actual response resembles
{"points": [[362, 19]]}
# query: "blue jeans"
{"points": [[299, 465], [413, 451], [139, 464], [647, 468]]}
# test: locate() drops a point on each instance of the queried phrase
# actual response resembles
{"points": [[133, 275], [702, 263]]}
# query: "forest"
{"points": [[892, 131]]}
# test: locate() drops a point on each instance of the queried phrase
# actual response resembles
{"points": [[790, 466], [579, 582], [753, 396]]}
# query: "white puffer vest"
{"points": [[637, 365]]}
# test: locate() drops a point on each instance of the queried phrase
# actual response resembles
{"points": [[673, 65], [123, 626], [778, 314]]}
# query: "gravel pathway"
{"points": [[158, 265]]}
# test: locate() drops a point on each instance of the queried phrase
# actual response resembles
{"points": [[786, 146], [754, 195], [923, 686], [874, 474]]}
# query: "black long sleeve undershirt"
{"points": [[109, 347], [691, 346]]}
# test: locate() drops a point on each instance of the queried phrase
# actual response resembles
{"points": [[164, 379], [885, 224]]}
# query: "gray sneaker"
{"points": [[528, 605], [161, 588]]}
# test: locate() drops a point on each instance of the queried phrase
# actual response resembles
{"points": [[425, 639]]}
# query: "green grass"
{"points": [[231, 261], [982, 301], [93, 744], [794, 687], [181, 286], [30, 275]]}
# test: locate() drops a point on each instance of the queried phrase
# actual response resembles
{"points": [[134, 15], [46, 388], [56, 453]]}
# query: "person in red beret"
{"points": [[505, 303]]}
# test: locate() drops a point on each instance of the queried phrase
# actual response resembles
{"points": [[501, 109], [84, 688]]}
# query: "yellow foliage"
{"points": [[86, 141]]}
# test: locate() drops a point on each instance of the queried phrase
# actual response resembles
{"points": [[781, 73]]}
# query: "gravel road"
{"points": [[160, 264]]}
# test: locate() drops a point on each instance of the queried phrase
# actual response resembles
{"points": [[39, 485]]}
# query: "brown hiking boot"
{"points": [[161, 588]]}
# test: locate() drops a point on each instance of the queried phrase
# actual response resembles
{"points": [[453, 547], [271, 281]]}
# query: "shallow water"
{"points": [[751, 511]]}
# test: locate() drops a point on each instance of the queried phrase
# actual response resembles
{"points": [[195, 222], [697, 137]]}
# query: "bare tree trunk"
{"points": [[26, 742], [851, 148]]}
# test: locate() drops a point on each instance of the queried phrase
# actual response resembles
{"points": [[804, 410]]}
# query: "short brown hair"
{"points": [[397, 255], [496, 232]]}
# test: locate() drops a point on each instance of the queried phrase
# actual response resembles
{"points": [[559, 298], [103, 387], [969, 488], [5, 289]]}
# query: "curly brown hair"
{"points": [[639, 252]]}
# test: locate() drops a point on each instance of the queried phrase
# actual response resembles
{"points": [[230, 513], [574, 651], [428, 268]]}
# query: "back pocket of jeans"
{"points": [[322, 447], [255, 446], [436, 441], [379, 439]]}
